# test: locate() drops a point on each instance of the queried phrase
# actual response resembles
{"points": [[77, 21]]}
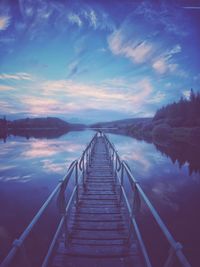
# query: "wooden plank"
{"points": [[96, 217], [100, 235], [87, 250], [101, 226], [99, 242], [94, 197]]}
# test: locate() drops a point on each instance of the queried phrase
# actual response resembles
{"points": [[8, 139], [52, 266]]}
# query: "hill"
{"points": [[49, 127], [120, 124]]}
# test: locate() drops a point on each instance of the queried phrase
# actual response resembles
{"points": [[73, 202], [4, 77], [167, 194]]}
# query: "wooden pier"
{"points": [[98, 233], [99, 201]]}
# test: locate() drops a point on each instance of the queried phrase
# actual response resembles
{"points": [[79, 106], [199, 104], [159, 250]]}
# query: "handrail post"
{"points": [[65, 230], [21, 248], [171, 256], [115, 168], [76, 181], [84, 169], [121, 182]]}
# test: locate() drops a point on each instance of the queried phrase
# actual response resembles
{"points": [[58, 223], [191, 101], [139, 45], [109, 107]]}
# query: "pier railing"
{"points": [[133, 196], [76, 172]]}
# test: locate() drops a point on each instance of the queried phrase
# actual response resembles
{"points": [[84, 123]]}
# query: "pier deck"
{"points": [[98, 226]]}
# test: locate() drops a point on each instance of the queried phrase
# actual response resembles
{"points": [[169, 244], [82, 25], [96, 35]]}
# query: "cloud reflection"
{"points": [[17, 178], [49, 148], [50, 166]]}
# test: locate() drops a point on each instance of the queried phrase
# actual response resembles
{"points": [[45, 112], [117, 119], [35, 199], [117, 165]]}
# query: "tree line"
{"points": [[184, 113]]}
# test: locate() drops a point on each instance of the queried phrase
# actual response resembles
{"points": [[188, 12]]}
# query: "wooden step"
{"points": [[92, 251], [100, 235]]}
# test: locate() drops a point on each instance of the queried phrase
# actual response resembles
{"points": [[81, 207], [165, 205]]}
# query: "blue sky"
{"points": [[96, 60]]}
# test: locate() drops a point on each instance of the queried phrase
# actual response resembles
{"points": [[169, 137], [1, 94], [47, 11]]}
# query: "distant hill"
{"points": [[49, 127], [42, 123], [120, 123], [38, 123]]}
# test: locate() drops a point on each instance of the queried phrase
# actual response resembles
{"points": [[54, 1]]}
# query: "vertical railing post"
{"points": [[83, 168], [121, 182], [23, 256], [172, 254], [65, 230], [76, 181], [89, 154], [115, 168], [86, 162], [122, 176]]}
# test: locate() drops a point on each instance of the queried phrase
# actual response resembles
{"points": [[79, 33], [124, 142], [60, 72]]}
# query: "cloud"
{"points": [[4, 22], [96, 19], [138, 52], [75, 19], [73, 69], [157, 98], [165, 15], [17, 76], [6, 107], [191, 7], [67, 97], [186, 94], [176, 49], [105, 95], [6, 88], [91, 16], [165, 63], [160, 65]]}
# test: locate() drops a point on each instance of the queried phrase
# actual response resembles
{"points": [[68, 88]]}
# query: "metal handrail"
{"points": [[176, 246], [19, 243]]}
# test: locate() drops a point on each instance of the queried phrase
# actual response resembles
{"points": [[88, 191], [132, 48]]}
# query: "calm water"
{"points": [[30, 169]]}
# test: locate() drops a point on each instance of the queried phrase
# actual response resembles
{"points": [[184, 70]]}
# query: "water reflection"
{"points": [[48, 148], [30, 168], [36, 133], [184, 154], [174, 192]]}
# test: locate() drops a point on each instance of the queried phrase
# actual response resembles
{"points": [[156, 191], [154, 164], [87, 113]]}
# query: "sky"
{"points": [[89, 61]]}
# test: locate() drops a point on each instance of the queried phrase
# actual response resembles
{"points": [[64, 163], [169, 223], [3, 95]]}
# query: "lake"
{"points": [[170, 176]]}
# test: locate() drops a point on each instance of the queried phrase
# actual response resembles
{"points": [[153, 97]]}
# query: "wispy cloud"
{"points": [[158, 97], [7, 108], [105, 95], [73, 69], [165, 63], [163, 15], [4, 22], [192, 7], [186, 94], [56, 97], [17, 76], [6, 88], [138, 52], [75, 19], [87, 16], [91, 16]]}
